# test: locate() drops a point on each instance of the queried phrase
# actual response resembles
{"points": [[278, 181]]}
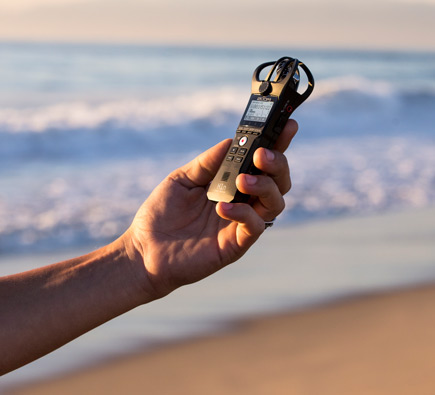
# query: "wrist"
{"points": [[133, 258]]}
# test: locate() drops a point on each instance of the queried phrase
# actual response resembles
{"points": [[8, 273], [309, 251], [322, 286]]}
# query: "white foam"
{"points": [[132, 114], [355, 153]]}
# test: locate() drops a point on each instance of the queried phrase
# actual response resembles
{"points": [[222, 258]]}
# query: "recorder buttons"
{"points": [[243, 141]]}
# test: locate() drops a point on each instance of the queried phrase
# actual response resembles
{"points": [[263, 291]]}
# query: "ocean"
{"points": [[87, 131]]}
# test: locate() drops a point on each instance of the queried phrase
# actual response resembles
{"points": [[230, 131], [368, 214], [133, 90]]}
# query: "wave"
{"points": [[117, 127], [339, 107], [356, 106], [94, 203], [359, 150], [130, 114]]}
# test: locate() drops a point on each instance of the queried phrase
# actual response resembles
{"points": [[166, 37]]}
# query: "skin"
{"points": [[177, 237]]}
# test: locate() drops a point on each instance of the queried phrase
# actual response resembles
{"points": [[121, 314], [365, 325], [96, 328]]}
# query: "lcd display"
{"points": [[258, 111]]}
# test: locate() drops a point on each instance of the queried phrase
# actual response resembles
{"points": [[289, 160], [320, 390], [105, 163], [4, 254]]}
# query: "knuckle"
{"points": [[281, 205], [275, 210], [260, 226], [283, 161], [288, 186], [284, 184]]}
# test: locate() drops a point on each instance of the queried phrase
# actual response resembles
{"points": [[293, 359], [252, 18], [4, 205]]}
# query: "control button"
{"points": [[242, 151], [233, 150], [243, 141], [238, 159], [230, 158], [265, 88], [256, 133]]}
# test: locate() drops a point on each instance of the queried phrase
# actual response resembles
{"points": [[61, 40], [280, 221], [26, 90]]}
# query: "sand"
{"points": [[381, 344], [375, 343]]}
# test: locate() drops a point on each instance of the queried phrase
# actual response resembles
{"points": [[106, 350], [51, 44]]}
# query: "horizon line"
{"points": [[199, 45]]}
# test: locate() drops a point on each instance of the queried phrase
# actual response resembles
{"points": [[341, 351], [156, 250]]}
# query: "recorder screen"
{"points": [[258, 111]]}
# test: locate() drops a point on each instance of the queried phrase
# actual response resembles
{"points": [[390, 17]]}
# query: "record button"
{"points": [[243, 141]]}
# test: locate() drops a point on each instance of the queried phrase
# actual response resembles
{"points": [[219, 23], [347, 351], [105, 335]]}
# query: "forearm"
{"points": [[43, 309]]}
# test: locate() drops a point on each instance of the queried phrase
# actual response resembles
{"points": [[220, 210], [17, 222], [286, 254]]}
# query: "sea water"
{"points": [[87, 131]]}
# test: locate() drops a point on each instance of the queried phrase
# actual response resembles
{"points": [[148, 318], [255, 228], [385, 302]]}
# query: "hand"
{"points": [[177, 237], [181, 237]]}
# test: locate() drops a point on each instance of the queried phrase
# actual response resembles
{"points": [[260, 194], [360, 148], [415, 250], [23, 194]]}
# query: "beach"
{"points": [[99, 102], [381, 344], [376, 339], [337, 294]]}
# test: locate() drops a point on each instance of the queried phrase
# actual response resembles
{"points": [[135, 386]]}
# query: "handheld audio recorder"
{"points": [[271, 103]]}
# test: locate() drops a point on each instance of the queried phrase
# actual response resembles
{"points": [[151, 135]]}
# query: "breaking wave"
{"points": [[84, 168]]}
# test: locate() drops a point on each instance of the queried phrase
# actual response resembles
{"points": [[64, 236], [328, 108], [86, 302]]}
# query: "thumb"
{"points": [[201, 170]]}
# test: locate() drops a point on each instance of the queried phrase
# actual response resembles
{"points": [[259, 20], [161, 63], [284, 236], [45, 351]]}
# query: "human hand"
{"points": [[181, 237], [177, 237]]}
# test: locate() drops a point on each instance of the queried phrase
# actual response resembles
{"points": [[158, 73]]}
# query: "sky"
{"points": [[360, 24]]}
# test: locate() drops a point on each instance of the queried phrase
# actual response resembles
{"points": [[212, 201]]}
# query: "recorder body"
{"points": [[270, 105]]}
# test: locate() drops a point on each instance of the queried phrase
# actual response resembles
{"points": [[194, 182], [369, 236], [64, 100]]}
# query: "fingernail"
{"points": [[250, 180], [270, 155], [227, 206]]}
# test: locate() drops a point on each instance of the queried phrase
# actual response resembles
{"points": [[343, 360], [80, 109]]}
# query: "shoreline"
{"points": [[378, 344], [305, 269]]}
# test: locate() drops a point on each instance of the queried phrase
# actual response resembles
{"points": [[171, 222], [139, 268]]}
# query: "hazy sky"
{"points": [[312, 23]]}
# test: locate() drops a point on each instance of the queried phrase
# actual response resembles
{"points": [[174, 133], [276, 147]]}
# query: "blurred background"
{"points": [[99, 100]]}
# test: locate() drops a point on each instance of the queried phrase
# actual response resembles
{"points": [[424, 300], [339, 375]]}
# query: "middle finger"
{"points": [[274, 164], [269, 202]]}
